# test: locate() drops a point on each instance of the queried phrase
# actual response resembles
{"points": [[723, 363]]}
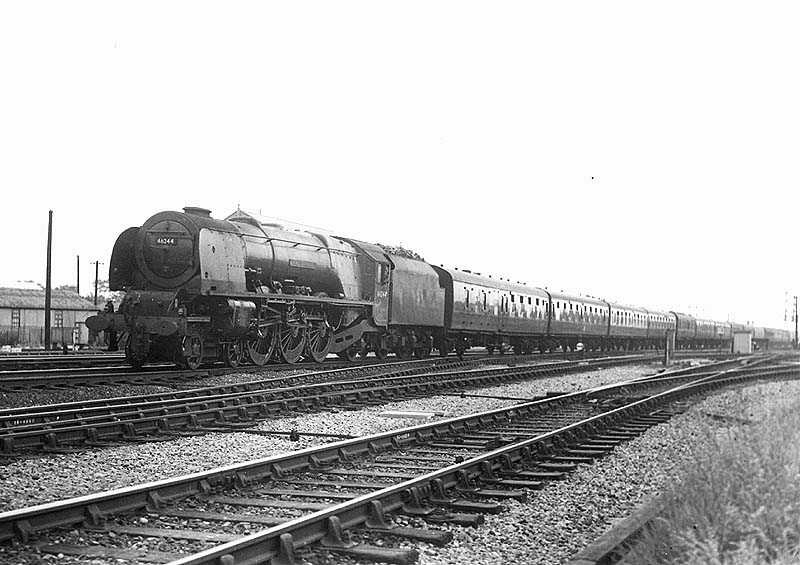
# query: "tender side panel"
{"points": [[416, 297]]}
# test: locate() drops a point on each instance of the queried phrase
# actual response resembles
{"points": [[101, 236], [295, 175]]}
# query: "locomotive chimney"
{"points": [[197, 211]]}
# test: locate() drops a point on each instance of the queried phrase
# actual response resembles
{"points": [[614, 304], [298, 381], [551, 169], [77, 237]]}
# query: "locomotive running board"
{"points": [[292, 298]]}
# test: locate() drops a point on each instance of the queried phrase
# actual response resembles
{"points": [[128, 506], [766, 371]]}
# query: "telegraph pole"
{"points": [[796, 343], [96, 276], [78, 270], [48, 288]]}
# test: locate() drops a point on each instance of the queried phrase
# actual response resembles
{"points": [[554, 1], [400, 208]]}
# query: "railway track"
{"points": [[108, 369], [40, 360], [67, 427], [168, 375], [366, 497]]}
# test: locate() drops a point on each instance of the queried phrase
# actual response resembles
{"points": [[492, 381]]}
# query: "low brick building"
{"points": [[22, 317]]}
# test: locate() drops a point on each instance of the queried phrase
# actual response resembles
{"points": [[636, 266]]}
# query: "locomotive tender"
{"points": [[200, 289]]}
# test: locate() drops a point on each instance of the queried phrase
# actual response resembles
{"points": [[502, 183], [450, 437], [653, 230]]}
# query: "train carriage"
{"points": [[724, 333], [775, 338], [578, 319], [685, 328], [523, 316], [627, 326], [705, 333], [658, 324], [497, 314]]}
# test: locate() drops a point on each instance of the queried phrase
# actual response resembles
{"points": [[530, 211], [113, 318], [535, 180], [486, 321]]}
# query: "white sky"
{"points": [[638, 151]]}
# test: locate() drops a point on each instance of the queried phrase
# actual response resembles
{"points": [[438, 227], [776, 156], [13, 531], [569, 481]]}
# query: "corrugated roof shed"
{"points": [[34, 299]]}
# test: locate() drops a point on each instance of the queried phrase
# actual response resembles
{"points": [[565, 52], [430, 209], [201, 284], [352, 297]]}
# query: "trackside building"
{"points": [[22, 317]]}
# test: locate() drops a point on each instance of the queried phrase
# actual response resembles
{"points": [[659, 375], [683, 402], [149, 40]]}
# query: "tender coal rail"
{"points": [[64, 428], [357, 497]]}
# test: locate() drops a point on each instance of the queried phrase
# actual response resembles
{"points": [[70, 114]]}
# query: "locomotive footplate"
{"points": [[298, 298]]}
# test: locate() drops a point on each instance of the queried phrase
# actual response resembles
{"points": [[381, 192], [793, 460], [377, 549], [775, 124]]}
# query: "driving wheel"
{"points": [[291, 342], [261, 347], [319, 341]]}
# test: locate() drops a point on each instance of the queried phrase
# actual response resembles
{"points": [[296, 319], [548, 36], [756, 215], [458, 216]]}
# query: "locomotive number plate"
{"points": [[166, 241]]}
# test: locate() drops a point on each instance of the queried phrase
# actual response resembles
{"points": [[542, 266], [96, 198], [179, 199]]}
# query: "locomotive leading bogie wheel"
{"points": [[233, 353], [319, 341], [291, 343], [133, 359], [192, 346], [260, 348]]}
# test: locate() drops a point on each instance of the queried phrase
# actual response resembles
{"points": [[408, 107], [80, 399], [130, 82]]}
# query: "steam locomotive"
{"points": [[199, 289]]}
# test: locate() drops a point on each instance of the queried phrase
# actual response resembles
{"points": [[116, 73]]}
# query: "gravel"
{"points": [[41, 479], [548, 528], [558, 521], [15, 399]]}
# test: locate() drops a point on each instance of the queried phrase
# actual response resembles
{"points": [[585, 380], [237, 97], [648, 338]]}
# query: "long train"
{"points": [[199, 289]]}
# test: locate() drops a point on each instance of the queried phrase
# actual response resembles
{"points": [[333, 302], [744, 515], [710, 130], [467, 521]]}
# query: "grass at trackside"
{"points": [[738, 501]]}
